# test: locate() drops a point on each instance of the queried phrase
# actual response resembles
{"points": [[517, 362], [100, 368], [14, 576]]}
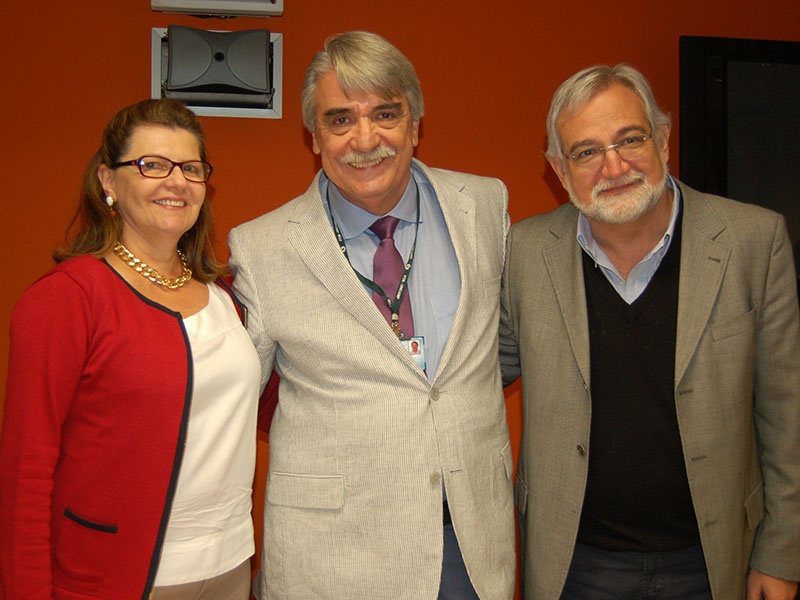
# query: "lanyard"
{"points": [[394, 305]]}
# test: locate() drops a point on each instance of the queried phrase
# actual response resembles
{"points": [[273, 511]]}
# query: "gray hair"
{"points": [[585, 85], [364, 62]]}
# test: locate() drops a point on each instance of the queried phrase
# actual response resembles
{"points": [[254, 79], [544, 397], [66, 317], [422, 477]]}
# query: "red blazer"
{"points": [[98, 396]]}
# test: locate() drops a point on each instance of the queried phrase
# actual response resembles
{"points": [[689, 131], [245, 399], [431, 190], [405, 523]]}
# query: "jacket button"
{"points": [[434, 394], [581, 450], [436, 478]]}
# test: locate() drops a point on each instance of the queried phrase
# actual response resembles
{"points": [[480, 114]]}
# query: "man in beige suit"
{"points": [[656, 332], [390, 466]]}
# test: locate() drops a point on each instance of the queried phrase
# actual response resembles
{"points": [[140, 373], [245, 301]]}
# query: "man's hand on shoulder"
{"points": [[762, 586]]}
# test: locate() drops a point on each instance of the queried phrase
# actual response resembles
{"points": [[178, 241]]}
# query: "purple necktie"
{"points": [[388, 268]]}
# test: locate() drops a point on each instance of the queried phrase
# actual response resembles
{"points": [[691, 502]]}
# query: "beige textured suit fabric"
{"points": [[737, 389], [361, 440]]}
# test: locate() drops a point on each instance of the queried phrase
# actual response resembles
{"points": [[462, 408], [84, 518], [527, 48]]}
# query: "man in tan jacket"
{"points": [[656, 332]]}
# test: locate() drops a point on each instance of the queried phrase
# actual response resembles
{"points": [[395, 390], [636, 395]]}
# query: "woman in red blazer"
{"points": [[128, 442]]}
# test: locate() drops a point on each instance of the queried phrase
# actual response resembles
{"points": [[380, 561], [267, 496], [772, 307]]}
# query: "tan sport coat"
{"points": [[361, 440], [737, 389]]}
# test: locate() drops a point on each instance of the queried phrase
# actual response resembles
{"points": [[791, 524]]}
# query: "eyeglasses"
{"points": [[158, 167], [629, 147]]}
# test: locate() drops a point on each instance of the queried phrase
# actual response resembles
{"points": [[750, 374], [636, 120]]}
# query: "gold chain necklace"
{"points": [[145, 271]]}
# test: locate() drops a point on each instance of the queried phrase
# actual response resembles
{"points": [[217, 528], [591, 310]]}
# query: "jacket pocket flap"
{"points": [[306, 491]]}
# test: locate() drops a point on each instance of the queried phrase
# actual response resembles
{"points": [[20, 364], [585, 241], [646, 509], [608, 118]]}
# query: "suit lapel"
{"points": [[564, 264], [458, 210], [703, 264], [310, 233]]}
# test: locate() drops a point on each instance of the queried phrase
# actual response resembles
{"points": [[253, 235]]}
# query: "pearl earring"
{"points": [[109, 200]]}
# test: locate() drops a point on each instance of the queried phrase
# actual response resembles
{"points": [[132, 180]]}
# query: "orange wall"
{"points": [[487, 70]]}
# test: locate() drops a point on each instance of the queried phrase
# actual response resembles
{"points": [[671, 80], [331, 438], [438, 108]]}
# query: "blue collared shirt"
{"points": [[434, 283], [639, 277]]}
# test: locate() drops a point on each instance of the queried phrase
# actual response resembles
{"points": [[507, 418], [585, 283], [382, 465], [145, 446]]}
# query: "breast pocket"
{"points": [[734, 326]]}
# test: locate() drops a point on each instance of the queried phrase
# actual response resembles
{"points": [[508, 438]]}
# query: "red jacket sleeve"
{"points": [[49, 334]]}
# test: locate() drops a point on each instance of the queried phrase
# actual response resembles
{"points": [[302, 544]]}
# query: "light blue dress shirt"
{"points": [[639, 277], [434, 283]]}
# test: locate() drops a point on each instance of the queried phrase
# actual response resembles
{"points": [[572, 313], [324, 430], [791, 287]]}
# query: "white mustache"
{"points": [[357, 158], [628, 178]]}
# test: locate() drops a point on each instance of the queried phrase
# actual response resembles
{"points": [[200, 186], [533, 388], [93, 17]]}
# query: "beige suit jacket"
{"points": [[361, 440], [737, 389]]}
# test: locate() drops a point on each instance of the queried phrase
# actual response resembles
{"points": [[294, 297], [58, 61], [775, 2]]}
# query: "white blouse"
{"points": [[210, 529]]}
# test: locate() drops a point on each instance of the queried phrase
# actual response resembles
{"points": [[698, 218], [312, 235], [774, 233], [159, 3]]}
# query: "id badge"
{"points": [[415, 346]]}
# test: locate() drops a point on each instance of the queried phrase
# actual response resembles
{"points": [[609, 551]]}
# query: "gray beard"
{"points": [[626, 207]]}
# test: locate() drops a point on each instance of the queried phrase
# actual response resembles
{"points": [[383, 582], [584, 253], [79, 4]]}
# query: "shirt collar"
{"points": [[353, 220]]}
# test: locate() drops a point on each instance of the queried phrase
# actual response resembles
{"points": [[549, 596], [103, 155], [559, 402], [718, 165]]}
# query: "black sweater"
{"points": [[637, 496]]}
